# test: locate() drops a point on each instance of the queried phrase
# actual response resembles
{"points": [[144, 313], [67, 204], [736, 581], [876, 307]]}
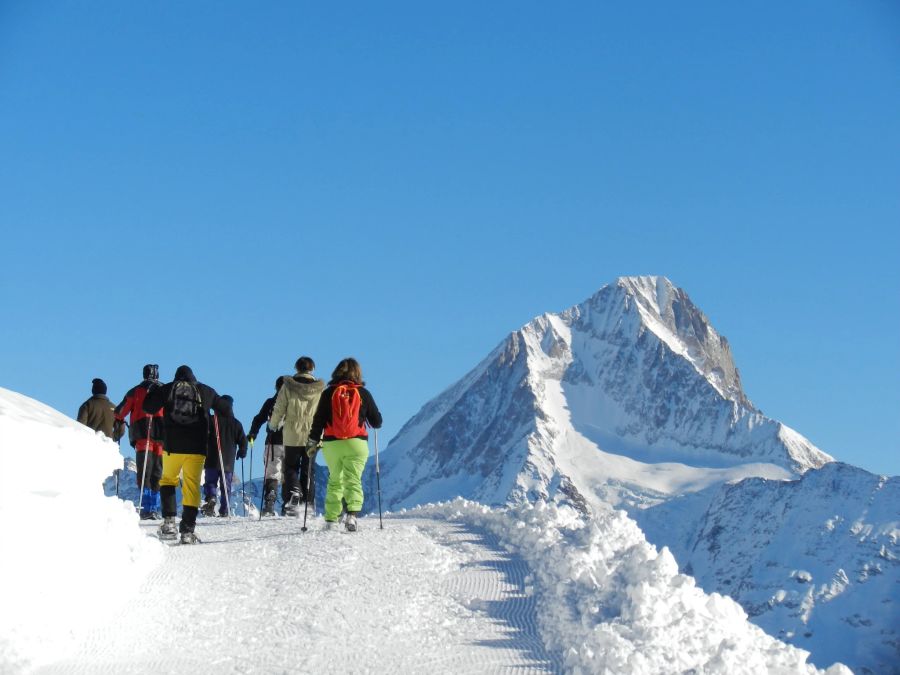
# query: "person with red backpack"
{"points": [[345, 410], [145, 433]]}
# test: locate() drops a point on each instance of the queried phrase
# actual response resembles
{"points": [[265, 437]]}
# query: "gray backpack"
{"points": [[186, 404]]}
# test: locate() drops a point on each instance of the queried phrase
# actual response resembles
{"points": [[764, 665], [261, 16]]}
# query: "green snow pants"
{"points": [[346, 460]]}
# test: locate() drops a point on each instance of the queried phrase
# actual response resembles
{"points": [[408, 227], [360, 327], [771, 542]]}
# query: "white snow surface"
{"points": [[70, 554], [455, 587], [452, 587]]}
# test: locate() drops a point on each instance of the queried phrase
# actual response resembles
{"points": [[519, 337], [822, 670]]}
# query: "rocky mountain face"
{"points": [[627, 398], [813, 561]]}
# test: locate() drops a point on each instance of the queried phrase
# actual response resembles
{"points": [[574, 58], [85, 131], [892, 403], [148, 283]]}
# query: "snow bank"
{"points": [[613, 604], [70, 553]]}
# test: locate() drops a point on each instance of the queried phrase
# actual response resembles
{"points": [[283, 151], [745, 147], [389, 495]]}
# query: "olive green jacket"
{"points": [[295, 406], [98, 413]]}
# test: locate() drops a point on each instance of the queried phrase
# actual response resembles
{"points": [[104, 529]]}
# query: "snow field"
{"points": [[612, 604], [60, 575]]}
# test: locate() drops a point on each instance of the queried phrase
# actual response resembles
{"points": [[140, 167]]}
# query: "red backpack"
{"points": [[345, 404]]}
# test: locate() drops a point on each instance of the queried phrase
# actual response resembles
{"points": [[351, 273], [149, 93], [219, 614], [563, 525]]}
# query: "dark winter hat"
{"points": [[185, 373], [226, 405], [151, 371], [98, 386], [279, 382]]}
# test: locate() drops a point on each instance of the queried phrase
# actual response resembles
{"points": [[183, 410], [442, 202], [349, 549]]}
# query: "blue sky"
{"points": [[231, 185]]}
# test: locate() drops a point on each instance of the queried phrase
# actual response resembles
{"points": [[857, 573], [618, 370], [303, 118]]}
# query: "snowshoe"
{"points": [[168, 530], [269, 506], [292, 508], [350, 522], [330, 525], [147, 515], [209, 508], [190, 538]]}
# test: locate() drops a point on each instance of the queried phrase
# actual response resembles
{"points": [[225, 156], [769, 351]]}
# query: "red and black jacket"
{"points": [[368, 413], [139, 423]]}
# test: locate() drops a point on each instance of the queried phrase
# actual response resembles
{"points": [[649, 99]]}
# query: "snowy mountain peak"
{"points": [[669, 313], [627, 397]]}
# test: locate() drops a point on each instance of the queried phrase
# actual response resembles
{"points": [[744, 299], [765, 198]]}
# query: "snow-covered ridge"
{"points": [[611, 603], [65, 573], [815, 561]]}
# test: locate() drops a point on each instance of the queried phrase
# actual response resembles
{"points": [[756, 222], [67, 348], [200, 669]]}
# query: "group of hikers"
{"points": [[182, 429]]}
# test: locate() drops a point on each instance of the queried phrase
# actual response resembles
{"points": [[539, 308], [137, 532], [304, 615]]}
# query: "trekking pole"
{"points": [[251, 474], [222, 466], [309, 473], [378, 482], [146, 452], [243, 491], [262, 494]]}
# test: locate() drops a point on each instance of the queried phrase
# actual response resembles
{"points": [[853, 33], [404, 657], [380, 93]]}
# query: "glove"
{"points": [[251, 438], [118, 430], [312, 446], [241, 454]]}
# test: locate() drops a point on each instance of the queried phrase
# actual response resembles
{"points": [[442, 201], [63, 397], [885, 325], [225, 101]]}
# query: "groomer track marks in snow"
{"points": [[421, 595]]}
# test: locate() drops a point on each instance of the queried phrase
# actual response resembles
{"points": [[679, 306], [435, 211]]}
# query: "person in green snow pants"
{"points": [[345, 411], [346, 460]]}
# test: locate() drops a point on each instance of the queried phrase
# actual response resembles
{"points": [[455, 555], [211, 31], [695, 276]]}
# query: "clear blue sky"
{"points": [[231, 185]]}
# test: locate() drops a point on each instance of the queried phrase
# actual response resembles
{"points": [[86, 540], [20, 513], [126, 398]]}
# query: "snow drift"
{"points": [[71, 555], [814, 561], [611, 603]]}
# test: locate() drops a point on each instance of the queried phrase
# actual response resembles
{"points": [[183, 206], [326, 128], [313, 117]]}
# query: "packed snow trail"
{"points": [[421, 595]]}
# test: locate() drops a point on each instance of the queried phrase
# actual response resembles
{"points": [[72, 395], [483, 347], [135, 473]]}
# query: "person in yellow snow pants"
{"points": [[346, 460], [190, 468]]}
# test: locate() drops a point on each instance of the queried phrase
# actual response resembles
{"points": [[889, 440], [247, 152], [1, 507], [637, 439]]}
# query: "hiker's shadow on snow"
{"points": [[516, 608]]}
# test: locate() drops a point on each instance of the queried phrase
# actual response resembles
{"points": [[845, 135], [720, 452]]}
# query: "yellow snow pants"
{"points": [[190, 467]]}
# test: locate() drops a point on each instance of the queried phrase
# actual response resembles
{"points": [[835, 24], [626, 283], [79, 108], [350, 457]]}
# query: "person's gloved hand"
{"points": [[251, 438], [312, 446], [241, 454]]}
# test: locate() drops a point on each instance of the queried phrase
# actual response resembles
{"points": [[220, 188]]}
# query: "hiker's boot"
{"points": [[189, 538], [168, 530], [209, 508], [292, 508]]}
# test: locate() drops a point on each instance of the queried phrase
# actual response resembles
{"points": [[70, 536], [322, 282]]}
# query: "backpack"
{"points": [[186, 404], [345, 404]]}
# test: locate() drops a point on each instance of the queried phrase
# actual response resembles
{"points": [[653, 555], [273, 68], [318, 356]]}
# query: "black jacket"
{"points": [[272, 437], [231, 435], [181, 439], [368, 413]]}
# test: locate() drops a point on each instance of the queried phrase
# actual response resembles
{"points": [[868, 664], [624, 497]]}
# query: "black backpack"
{"points": [[186, 405]]}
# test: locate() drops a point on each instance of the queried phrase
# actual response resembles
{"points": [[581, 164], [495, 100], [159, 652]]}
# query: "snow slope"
{"points": [[456, 587], [630, 397], [815, 561], [70, 555]]}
